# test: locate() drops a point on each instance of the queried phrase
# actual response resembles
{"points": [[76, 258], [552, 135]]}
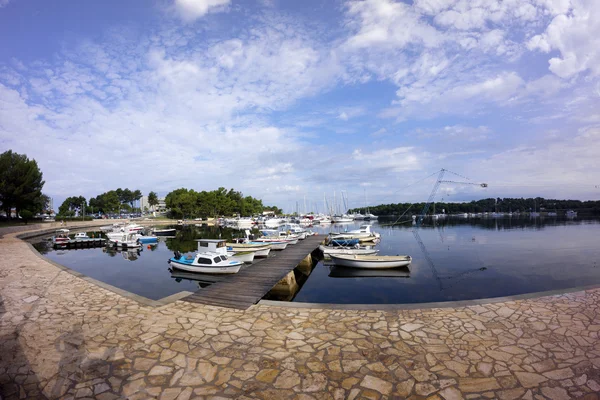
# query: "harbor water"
{"points": [[453, 259]]}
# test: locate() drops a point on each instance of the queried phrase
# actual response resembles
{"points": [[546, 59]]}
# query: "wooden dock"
{"points": [[248, 286]]}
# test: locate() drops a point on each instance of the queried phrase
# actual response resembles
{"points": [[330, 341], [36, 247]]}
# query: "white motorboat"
{"points": [[206, 263], [370, 217], [571, 214], [363, 232], [341, 218], [294, 229], [370, 262], [271, 235], [358, 217], [126, 240], [211, 258], [61, 237], [328, 250], [81, 235]]}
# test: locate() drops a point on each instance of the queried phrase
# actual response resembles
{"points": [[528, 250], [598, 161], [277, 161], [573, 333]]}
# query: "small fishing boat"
{"points": [[61, 237], [259, 249], [212, 258], [81, 235], [370, 262], [328, 250], [164, 232], [206, 263]]}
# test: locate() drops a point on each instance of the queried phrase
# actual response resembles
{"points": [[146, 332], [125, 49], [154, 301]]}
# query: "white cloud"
{"points": [[4, 3], [395, 159], [380, 132], [576, 35], [190, 10], [388, 23]]}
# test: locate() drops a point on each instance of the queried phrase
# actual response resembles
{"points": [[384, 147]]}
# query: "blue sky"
{"points": [[286, 101]]}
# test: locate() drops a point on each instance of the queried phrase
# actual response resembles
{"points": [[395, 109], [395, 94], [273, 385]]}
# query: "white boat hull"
{"points": [[371, 262], [233, 269], [346, 250]]}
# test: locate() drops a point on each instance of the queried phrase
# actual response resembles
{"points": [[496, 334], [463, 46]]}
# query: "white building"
{"points": [[161, 207]]}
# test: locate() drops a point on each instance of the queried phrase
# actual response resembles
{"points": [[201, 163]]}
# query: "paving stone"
{"points": [[374, 383]]}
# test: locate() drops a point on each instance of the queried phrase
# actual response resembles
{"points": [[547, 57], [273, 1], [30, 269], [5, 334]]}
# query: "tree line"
{"points": [[188, 203], [487, 205]]}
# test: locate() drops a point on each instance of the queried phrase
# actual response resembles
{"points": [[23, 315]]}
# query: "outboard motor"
{"points": [[251, 237], [177, 254]]}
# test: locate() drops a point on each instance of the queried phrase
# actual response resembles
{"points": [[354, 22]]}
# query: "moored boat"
{"points": [[327, 250], [370, 262], [243, 256], [61, 237], [211, 258], [259, 249]]}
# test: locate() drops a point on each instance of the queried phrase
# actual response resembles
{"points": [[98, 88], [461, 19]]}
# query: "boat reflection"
{"points": [[202, 279], [127, 254], [343, 272]]}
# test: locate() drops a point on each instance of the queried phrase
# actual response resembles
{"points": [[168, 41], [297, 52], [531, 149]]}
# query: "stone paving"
{"points": [[62, 337]]}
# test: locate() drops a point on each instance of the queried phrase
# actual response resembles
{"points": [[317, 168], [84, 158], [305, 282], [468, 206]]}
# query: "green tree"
{"points": [[152, 199], [26, 215], [20, 182], [72, 204]]}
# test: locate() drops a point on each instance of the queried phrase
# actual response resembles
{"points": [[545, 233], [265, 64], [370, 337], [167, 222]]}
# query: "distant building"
{"points": [[160, 208]]}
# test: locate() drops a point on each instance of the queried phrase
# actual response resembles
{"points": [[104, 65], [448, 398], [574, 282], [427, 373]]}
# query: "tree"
{"points": [[20, 182], [135, 196], [152, 199], [72, 204], [26, 215]]}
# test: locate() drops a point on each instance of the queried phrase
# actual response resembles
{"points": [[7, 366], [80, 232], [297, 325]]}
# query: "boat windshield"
{"points": [[217, 260], [223, 258], [203, 260]]}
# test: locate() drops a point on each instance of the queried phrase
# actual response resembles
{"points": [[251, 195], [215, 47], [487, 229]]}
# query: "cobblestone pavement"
{"points": [[63, 337]]}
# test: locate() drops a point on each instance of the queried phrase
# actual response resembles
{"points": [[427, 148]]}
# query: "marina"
{"points": [[455, 258]]}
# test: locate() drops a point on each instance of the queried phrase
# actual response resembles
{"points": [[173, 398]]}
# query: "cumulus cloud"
{"points": [[576, 35], [190, 10]]}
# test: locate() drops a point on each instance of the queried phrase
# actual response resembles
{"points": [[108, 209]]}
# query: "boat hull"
{"points": [[371, 262], [148, 239], [345, 250], [225, 269], [243, 256]]}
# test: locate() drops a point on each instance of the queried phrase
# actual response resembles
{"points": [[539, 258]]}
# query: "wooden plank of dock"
{"points": [[248, 286]]}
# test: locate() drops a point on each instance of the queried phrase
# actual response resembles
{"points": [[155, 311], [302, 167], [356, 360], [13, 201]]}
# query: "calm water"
{"points": [[470, 259], [141, 271]]}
